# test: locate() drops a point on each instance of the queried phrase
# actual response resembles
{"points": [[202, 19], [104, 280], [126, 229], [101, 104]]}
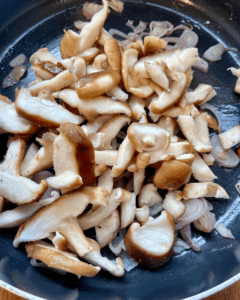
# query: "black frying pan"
{"points": [[27, 25]]}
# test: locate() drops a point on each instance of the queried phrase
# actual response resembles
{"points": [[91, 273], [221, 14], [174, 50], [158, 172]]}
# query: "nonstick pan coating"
{"points": [[25, 26]]}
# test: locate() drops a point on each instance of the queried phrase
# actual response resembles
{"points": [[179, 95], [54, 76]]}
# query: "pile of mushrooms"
{"points": [[117, 126]]}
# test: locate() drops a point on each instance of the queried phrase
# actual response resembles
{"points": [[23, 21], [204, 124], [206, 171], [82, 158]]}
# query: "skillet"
{"points": [[27, 25]]}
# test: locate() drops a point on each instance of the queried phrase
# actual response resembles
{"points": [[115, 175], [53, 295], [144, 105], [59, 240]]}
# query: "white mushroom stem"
{"points": [[124, 156], [174, 205], [138, 107], [94, 125], [15, 188], [108, 157], [95, 258], [43, 54], [117, 93], [61, 216], [117, 196], [201, 171], [149, 195], [17, 216], [231, 137], [105, 180], [138, 180], [93, 107], [128, 211]]}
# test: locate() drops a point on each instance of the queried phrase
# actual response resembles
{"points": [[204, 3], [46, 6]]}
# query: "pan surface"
{"points": [[26, 26]]}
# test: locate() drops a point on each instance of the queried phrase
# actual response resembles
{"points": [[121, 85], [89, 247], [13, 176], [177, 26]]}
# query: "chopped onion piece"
{"points": [[155, 209], [117, 244], [190, 37], [128, 261], [201, 65], [237, 186], [224, 232], [180, 246], [187, 236]]}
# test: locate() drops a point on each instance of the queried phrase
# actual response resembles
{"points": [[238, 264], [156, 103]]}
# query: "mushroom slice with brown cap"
{"points": [[98, 64], [137, 105], [125, 154], [201, 171], [153, 45], [148, 137], [92, 219], [190, 131], [61, 216], [62, 80], [73, 152], [61, 260], [89, 54], [79, 67], [149, 195], [172, 175], [177, 60], [202, 128], [67, 181], [112, 127], [113, 53], [174, 205], [107, 229], [69, 45], [174, 150], [108, 157], [95, 258], [160, 74], [19, 215], [47, 70], [203, 189], [166, 100], [129, 58], [105, 180], [59, 241], [13, 186], [128, 211], [43, 158], [11, 122], [91, 108], [202, 94], [91, 32], [236, 72], [43, 112], [96, 84], [43, 54], [231, 137], [151, 245], [89, 9]]}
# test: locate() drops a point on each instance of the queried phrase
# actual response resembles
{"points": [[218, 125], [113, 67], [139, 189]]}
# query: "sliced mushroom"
{"points": [[112, 127], [73, 152], [203, 189], [95, 258], [92, 219], [173, 152], [100, 169], [201, 171], [116, 5], [125, 154], [47, 70], [14, 187], [97, 123], [128, 211], [107, 229], [43, 54], [43, 159], [137, 105], [96, 84], [117, 93], [108, 157], [61, 216], [202, 94], [172, 175], [148, 137], [174, 205], [17, 125], [160, 74], [153, 45], [142, 161], [17, 216], [138, 180], [43, 112], [149, 195], [89, 9], [62, 260], [208, 159], [151, 245], [59, 241], [113, 53], [62, 80], [176, 111], [105, 180], [91, 108], [142, 214], [236, 72], [168, 124], [231, 137], [190, 130], [206, 222]]}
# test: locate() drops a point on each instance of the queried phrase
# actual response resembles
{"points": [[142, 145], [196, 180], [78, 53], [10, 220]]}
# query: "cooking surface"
{"points": [[189, 273]]}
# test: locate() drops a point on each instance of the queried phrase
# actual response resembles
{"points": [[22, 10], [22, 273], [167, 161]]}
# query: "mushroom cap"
{"points": [[151, 245], [171, 175], [113, 53], [96, 84], [148, 137], [62, 260]]}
